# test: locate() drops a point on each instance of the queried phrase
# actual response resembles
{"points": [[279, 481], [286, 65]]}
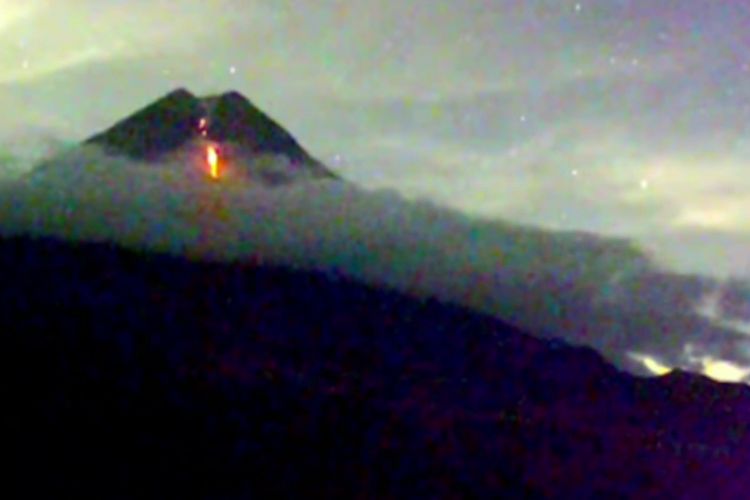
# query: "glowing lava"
{"points": [[212, 157]]}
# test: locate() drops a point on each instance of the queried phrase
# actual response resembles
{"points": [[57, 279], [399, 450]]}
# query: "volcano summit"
{"points": [[226, 130]]}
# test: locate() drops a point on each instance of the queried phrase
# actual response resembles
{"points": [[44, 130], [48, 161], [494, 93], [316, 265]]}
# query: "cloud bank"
{"points": [[603, 292]]}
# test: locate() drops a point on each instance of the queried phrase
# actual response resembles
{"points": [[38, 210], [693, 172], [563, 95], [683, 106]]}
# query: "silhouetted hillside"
{"points": [[139, 375]]}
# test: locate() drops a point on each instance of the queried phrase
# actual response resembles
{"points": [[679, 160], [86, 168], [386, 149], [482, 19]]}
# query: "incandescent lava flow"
{"points": [[212, 158], [225, 134]]}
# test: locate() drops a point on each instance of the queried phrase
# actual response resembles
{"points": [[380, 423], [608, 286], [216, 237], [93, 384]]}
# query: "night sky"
{"points": [[614, 116]]}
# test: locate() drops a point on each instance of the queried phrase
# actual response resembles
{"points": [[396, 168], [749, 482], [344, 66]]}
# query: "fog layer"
{"points": [[587, 289]]}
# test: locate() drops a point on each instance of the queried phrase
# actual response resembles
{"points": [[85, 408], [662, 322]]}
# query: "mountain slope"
{"points": [[144, 375], [157, 129], [236, 119], [229, 120]]}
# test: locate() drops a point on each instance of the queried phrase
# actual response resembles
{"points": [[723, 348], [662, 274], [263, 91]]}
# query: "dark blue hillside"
{"points": [[138, 375]]}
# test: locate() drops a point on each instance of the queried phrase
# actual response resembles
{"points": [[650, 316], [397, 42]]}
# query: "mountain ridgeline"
{"points": [[172, 122], [157, 129]]}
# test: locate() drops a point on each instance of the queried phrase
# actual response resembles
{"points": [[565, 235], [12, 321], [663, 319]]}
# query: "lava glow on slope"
{"points": [[212, 158], [203, 127]]}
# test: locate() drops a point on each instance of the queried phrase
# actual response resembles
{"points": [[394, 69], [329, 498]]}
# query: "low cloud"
{"points": [[603, 292]]}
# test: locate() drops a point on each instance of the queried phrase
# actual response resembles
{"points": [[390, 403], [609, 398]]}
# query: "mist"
{"points": [[603, 292]]}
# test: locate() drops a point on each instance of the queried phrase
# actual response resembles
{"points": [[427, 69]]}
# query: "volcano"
{"points": [[131, 373], [246, 141]]}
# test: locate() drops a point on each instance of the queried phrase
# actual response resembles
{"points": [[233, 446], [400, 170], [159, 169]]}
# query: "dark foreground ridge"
{"points": [[135, 375], [173, 120]]}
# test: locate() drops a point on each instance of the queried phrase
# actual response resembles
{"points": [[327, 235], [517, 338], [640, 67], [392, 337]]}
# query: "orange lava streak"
{"points": [[212, 157]]}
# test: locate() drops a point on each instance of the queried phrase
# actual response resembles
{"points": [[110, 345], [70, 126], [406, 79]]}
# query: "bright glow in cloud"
{"points": [[713, 368], [724, 371], [652, 364], [709, 307]]}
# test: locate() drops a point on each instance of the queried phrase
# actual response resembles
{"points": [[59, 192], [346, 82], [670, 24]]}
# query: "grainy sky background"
{"points": [[615, 116]]}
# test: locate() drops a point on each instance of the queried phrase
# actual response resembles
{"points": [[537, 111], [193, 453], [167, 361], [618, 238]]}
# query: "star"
{"points": [[232, 70]]}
